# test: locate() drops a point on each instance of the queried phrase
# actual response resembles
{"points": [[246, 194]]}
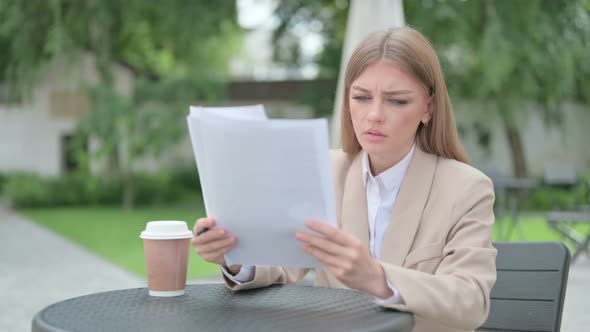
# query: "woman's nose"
{"points": [[375, 113]]}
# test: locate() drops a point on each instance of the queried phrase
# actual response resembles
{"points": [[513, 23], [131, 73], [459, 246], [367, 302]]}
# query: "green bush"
{"points": [[186, 178], [28, 190], [2, 181], [544, 198], [70, 189], [106, 190], [152, 189]]}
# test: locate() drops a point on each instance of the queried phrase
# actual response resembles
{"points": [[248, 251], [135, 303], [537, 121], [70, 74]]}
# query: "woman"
{"points": [[415, 220]]}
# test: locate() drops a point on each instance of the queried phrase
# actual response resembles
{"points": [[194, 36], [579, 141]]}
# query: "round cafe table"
{"points": [[213, 307]]}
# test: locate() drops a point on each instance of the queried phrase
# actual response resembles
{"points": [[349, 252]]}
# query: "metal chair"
{"points": [[500, 204], [564, 176], [510, 192], [530, 289]]}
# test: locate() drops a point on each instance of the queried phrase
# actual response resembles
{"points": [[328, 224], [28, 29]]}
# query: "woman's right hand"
{"points": [[213, 244]]}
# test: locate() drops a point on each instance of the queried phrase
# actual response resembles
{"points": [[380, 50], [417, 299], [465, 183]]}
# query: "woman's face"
{"points": [[386, 106]]}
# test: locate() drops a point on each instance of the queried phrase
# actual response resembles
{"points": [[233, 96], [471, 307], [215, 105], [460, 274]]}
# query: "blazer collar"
{"points": [[409, 206], [354, 216], [391, 178], [407, 211]]}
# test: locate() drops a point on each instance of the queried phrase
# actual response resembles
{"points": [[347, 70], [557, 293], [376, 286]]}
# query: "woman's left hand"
{"points": [[346, 258]]}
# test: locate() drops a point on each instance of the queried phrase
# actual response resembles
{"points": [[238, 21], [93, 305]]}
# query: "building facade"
{"points": [[34, 134]]}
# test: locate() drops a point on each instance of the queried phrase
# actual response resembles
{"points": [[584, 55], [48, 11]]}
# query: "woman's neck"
{"points": [[380, 163]]}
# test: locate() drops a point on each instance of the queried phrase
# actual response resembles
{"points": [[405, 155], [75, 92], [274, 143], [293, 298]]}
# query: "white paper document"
{"points": [[261, 179]]}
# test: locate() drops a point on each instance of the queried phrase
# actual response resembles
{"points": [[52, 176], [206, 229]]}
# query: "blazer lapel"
{"points": [[354, 202], [408, 208]]}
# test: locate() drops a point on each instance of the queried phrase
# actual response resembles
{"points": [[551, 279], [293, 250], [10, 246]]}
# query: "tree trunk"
{"points": [[128, 191], [126, 165], [112, 163], [514, 139]]}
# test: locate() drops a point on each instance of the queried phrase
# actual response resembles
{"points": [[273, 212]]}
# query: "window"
{"points": [[73, 146], [68, 104]]}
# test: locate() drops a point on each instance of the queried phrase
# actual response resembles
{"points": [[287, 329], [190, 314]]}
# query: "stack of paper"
{"points": [[261, 179]]}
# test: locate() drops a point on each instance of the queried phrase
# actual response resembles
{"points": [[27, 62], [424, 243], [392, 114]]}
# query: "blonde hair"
{"points": [[410, 49]]}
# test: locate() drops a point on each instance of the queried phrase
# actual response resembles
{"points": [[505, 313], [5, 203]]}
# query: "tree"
{"points": [[326, 18], [177, 51], [176, 39], [504, 54], [500, 53]]}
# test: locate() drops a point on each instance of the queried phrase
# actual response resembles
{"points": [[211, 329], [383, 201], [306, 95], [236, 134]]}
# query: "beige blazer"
{"points": [[437, 249]]}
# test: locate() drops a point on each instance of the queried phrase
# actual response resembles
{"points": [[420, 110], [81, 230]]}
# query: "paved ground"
{"points": [[576, 315], [38, 268]]}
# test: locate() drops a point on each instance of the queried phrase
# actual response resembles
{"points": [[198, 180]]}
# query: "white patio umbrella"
{"points": [[364, 17]]}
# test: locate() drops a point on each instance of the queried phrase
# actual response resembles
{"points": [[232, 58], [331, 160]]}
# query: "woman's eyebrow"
{"points": [[388, 93], [397, 92], [356, 87]]}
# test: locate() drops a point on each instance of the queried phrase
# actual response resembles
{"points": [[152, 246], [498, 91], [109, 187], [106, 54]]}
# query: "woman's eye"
{"points": [[398, 101], [361, 98]]}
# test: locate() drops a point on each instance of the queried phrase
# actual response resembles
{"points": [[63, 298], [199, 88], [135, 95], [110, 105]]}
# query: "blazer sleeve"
{"points": [[458, 293], [269, 275]]}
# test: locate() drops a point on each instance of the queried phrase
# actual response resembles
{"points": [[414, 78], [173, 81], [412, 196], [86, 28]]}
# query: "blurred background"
{"points": [[94, 97]]}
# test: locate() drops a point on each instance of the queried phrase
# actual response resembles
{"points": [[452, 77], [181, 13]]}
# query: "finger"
{"points": [[214, 234], [323, 257], [324, 243], [331, 232], [216, 246], [203, 223], [217, 256], [213, 258], [338, 267]]}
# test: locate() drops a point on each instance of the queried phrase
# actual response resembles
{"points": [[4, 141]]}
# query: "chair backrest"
{"points": [[495, 174], [560, 174], [530, 288], [498, 179]]}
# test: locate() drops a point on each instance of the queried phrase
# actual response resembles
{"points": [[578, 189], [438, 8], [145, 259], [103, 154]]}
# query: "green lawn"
{"points": [[114, 233], [534, 228]]}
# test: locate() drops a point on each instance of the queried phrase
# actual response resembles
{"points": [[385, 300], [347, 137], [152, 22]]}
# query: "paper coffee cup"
{"points": [[166, 247]]}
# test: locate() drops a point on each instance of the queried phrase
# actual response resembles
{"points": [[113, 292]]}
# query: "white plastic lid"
{"points": [[166, 230]]}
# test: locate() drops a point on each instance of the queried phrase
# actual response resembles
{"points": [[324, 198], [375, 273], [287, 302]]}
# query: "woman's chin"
{"points": [[373, 148]]}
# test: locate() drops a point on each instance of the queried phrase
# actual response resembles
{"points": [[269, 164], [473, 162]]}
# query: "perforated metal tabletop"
{"points": [[213, 307]]}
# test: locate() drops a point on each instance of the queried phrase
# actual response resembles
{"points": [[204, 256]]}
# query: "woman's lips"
{"points": [[375, 136]]}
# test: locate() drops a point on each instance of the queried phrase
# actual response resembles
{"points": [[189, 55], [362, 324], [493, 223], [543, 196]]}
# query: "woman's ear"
{"points": [[429, 110]]}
